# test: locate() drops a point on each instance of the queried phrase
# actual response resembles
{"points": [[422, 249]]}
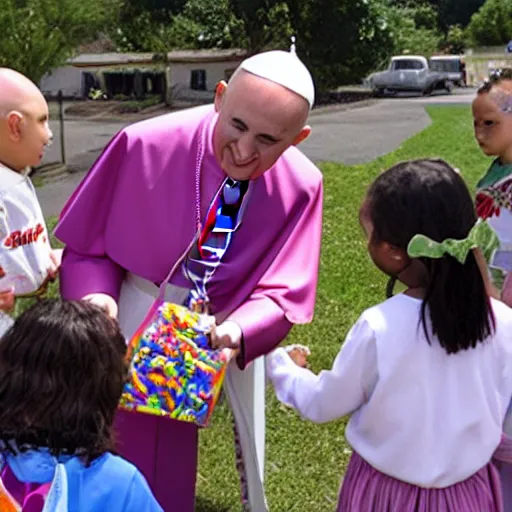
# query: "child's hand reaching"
{"points": [[298, 354]]}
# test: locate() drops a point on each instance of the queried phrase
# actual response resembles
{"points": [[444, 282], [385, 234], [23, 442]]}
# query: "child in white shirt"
{"points": [[426, 376], [27, 261]]}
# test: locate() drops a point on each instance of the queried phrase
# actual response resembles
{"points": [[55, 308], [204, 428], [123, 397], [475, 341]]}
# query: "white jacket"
{"points": [[25, 251]]}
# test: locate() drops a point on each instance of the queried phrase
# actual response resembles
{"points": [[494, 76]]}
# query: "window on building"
{"points": [[198, 80]]}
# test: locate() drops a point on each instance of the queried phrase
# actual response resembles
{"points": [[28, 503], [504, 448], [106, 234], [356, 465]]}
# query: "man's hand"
{"points": [[7, 300], [103, 301], [226, 335]]}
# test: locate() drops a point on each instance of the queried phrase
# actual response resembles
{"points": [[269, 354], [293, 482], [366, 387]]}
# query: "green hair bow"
{"points": [[481, 235]]}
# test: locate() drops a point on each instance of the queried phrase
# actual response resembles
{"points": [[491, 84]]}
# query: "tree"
{"points": [[492, 24], [266, 23], [340, 40], [158, 11], [207, 24], [455, 40], [39, 35], [200, 24], [448, 12], [141, 34], [144, 25], [456, 12], [413, 30]]}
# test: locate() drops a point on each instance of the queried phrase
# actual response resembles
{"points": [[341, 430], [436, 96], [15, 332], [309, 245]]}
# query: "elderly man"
{"points": [[222, 195]]}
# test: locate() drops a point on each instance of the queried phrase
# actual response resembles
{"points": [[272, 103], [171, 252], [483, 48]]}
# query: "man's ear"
{"points": [[220, 90], [303, 135], [14, 120]]}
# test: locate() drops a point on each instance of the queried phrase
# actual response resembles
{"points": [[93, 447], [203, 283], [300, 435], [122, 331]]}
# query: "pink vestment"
{"points": [[135, 212]]}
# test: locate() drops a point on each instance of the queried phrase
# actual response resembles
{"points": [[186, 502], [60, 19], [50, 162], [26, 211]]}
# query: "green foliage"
{"points": [[141, 34], [39, 35], [455, 41], [413, 30], [448, 12], [423, 15], [456, 12], [340, 40], [199, 24], [266, 23], [492, 24], [207, 24]]}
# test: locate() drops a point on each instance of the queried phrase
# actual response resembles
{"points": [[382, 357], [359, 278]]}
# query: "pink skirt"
{"points": [[364, 489]]}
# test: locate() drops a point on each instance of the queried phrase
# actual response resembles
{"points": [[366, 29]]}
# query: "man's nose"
{"points": [[245, 147]]}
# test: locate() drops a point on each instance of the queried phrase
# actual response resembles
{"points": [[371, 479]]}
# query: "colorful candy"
{"points": [[173, 371]]}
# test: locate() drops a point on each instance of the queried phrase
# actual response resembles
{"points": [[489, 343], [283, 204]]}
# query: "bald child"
{"points": [[27, 261]]}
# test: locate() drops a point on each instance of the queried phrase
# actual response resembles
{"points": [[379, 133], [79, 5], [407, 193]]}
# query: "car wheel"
{"points": [[428, 90], [449, 86]]}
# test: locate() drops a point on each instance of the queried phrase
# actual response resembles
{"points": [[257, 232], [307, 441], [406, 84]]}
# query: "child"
{"points": [[426, 376], [26, 259], [492, 113], [63, 372]]}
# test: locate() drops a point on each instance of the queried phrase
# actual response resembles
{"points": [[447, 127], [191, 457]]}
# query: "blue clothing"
{"points": [[110, 483]]}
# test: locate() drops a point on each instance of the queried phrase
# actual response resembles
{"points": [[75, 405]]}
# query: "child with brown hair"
{"points": [[63, 372], [492, 113], [426, 376]]}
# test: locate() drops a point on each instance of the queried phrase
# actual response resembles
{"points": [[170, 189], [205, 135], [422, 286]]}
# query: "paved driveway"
{"points": [[352, 136]]}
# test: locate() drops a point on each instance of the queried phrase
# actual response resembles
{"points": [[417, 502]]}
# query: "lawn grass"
{"points": [[304, 461]]}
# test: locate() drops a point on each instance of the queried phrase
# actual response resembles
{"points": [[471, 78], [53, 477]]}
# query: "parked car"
{"points": [[408, 73], [452, 67]]}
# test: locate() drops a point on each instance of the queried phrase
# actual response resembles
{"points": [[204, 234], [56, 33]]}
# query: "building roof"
{"points": [[108, 59], [214, 55], [114, 58]]}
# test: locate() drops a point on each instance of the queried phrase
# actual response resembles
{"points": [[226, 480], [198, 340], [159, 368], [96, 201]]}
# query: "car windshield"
{"points": [[407, 64], [445, 65]]}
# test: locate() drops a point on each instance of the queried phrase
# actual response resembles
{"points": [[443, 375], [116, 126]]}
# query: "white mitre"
{"points": [[283, 68]]}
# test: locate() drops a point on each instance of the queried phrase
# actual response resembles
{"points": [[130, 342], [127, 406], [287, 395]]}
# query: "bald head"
{"points": [[24, 130], [16, 90], [283, 68], [293, 107]]}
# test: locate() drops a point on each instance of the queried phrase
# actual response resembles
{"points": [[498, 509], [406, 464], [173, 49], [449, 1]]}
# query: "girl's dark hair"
{"points": [[429, 197], [495, 78], [62, 373]]}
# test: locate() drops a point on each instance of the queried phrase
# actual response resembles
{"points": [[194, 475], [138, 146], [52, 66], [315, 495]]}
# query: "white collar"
{"points": [[10, 177]]}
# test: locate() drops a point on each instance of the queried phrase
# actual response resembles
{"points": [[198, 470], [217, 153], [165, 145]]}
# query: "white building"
{"points": [[186, 75]]}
